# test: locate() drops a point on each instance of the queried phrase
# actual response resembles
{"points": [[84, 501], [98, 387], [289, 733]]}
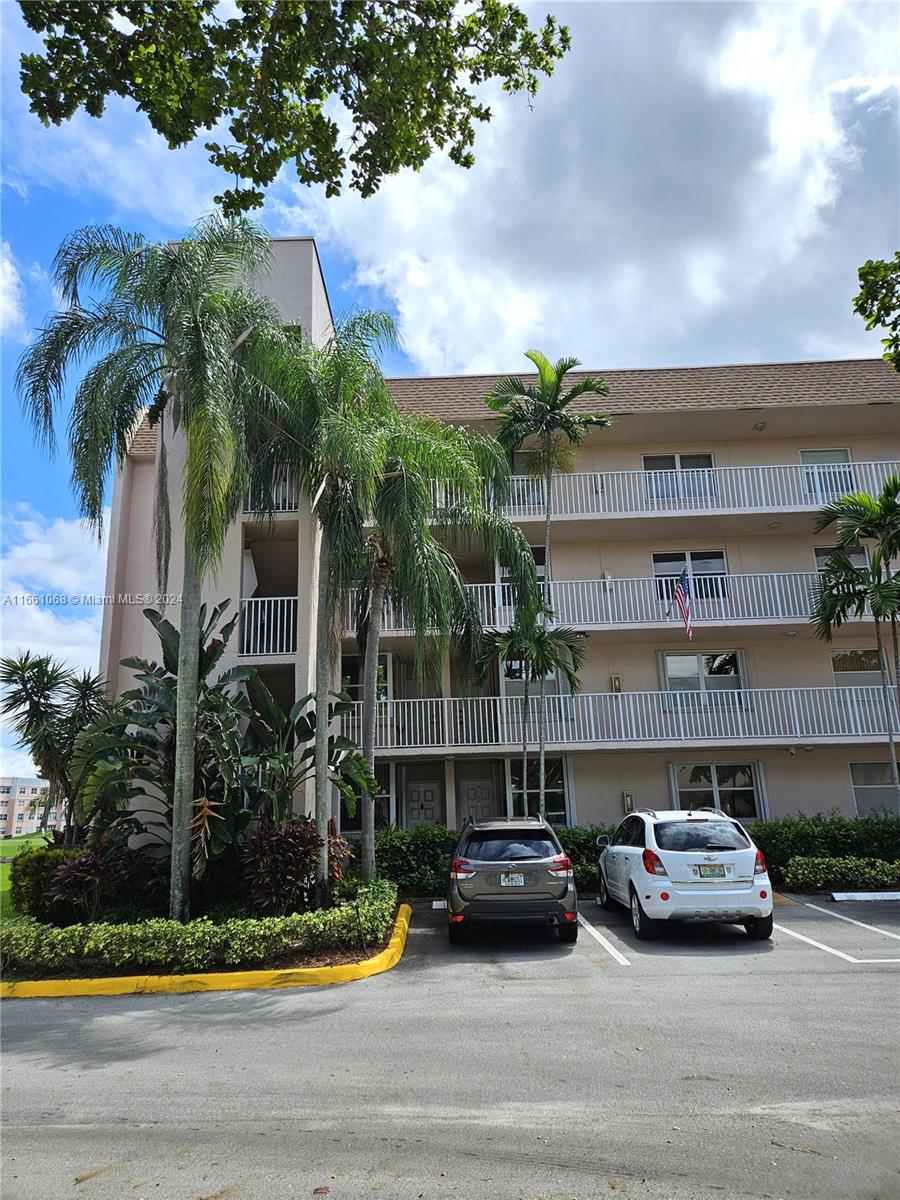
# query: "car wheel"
{"points": [[760, 927], [569, 933], [604, 899], [644, 927], [456, 935]]}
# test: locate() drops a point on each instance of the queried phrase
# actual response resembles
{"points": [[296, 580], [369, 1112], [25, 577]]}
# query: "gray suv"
{"points": [[511, 871]]}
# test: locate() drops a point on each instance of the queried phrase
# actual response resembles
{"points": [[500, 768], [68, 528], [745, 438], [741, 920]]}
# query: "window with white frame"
{"points": [[732, 788], [554, 789], [353, 824], [873, 790], [707, 571], [505, 597], [679, 476], [5, 789], [858, 557], [856, 668], [827, 473], [713, 677], [526, 490]]}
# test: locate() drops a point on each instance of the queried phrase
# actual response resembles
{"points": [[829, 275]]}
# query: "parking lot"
{"points": [[700, 1065]]}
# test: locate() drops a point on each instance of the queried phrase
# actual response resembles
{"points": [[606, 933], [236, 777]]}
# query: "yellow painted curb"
{"points": [[223, 981]]}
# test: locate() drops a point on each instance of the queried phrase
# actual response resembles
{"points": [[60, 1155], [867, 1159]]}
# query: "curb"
{"points": [[223, 981]]}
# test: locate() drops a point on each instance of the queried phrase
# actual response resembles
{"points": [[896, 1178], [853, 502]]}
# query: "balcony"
{"points": [[268, 626], [286, 495], [726, 490], [631, 720], [645, 601]]}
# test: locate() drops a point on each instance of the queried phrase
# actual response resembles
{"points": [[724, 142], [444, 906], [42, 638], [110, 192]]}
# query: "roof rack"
{"points": [[651, 811], [707, 808]]}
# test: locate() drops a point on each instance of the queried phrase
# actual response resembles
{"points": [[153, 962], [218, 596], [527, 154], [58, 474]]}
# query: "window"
{"points": [[505, 597], [5, 789], [554, 789], [730, 788], [630, 833], [873, 790], [511, 844], [710, 676], [353, 824], [827, 473], [697, 834], [679, 477], [858, 557], [4, 804], [706, 569], [526, 490], [855, 668]]}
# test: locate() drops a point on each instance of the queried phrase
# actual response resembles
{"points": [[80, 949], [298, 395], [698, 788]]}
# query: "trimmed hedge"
{"points": [[415, 859], [847, 874], [825, 835], [202, 945], [580, 843]]}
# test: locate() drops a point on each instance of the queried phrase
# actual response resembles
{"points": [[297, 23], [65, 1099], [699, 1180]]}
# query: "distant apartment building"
{"points": [[716, 471], [22, 805]]}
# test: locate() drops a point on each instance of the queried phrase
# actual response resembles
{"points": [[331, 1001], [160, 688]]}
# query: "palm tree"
{"points": [[844, 592], [177, 330], [409, 563], [331, 430], [542, 415], [536, 649], [49, 705], [860, 518]]}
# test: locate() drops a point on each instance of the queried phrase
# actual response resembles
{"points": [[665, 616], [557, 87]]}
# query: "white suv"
{"points": [[685, 866]]}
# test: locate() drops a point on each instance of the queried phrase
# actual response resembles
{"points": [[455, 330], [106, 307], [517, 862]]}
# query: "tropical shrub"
{"points": [[415, 859], [825, 835], [30, 881], [580, 843], [279, 863], [848, 874], [161, 945], [64, 885]]}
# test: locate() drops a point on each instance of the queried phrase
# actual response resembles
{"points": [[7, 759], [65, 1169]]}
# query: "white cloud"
{"points": [[12, 297], [684, 190], [56, 560]]}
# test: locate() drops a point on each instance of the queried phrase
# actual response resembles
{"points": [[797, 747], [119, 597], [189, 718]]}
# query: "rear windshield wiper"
{"points": [[719, 846]]}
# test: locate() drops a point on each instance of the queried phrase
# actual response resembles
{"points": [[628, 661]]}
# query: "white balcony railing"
{"points": [[286, 495], [269, 625], [708, 490], [600, 603], [607, 719]]}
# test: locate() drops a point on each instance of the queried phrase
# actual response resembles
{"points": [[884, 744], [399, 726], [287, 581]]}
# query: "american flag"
{"points": [[682, 597]]}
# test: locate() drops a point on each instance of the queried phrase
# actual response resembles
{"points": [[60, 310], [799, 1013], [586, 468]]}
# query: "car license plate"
{"points": [[512, 880], [716, 872]]}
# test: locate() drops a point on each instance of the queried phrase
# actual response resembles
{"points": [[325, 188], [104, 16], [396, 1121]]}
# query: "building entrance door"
{"points": [[423, 804], [478, 800]]}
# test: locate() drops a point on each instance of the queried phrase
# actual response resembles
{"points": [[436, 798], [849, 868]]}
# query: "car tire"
{"points": [[644, 927], [568, 933], [604, 899], [760, 927], [456, 935]]}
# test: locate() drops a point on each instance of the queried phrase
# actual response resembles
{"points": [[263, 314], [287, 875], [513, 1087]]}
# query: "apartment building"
{"points": [[719, 471], [21, 806]]}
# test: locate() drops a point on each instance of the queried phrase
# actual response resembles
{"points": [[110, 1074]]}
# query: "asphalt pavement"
{"points": [[702, 1065]]}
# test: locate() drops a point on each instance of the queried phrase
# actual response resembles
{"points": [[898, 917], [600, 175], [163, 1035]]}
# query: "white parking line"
{"points": [[852, 920], [604, 942], [831, 950]]}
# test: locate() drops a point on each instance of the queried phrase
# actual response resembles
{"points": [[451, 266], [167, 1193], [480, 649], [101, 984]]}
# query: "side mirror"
{"points": [[448, 846], [602, 842]]}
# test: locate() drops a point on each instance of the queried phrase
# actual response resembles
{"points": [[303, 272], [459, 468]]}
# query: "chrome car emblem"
{"points": [[511, 866], [710, 857]]}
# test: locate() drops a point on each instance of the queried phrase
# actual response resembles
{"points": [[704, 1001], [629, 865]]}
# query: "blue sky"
{"points": [[698, 183]]}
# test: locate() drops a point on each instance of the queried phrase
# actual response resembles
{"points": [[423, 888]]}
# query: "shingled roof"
{"points": [[667, 389], [143, 440]]}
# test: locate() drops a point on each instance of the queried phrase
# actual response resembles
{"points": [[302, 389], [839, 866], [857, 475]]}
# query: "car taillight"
{"points": [[562, 866], [461, 868], [653, 864], [760, 868]]}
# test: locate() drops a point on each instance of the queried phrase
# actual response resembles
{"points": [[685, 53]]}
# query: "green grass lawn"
{"points": [[9, 848]]}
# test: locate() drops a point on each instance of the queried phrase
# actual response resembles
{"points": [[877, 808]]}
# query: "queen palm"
{"points": [[542, 415], [860, 518], [537, 650], [173, 327], [845, 592], [331, 430], [409, 560]]}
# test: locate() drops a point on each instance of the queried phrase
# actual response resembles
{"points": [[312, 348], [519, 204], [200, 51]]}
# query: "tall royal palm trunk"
{"points": [[185, 738], [895, 641], [323, 688], [525, 704], [888, 702], [542, 717], [48, 804], [369, 707]]}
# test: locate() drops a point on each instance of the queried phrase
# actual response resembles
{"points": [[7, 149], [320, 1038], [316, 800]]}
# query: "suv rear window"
{"points": [[699, 835], [513, 843]]}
